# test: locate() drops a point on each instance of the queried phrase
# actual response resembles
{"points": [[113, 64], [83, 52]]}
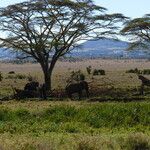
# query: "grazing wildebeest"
{"points": [[145, 82], [31, 86], [77, 88]]}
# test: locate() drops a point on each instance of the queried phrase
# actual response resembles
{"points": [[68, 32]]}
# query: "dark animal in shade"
{"points": [[31, 90], [31, 86], [77, 88], [42, 91], [145, 82]]}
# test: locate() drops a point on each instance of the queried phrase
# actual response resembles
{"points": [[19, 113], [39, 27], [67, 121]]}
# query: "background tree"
{"points": [[138, 30], [49, 29]]}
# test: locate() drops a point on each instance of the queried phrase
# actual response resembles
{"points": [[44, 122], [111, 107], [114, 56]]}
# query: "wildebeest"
{"points": [[21, 94], [31, 86], [145, 82], [31, 90], [77, 88]]}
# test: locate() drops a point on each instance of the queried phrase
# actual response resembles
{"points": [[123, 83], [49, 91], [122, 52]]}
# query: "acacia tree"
{"points": [[138, 30], [49, 29]]}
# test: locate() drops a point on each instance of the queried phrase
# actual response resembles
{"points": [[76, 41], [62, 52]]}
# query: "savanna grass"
{"points": [[75, 126], [72, 119]]}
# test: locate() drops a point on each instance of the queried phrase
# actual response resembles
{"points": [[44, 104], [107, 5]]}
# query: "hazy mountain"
{"points": [[6, 54], [104, 48], [107, 48]]}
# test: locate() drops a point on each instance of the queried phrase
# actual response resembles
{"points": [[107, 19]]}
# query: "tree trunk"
{"points": [[47, 80], [47, 75], [47, 71]]}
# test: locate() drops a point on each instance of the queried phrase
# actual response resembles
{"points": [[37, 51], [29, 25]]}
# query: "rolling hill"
{"points": [[107, 48], [103, 48]]}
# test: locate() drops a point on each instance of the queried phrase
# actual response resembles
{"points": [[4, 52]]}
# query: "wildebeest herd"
{"points": [[31, 90], [35, 90]]}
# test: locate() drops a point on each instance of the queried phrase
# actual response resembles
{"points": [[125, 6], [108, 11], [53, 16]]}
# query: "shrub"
{"points": [[20, 76], [11, 72], [102, 72], [1, 77], [77, 76], [89, 69], [82, 77], [146, 71], [31, 78], [98, 72], [136, 70]]}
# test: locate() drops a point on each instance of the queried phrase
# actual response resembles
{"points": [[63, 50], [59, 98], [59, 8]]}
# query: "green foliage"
{"points": [[5, 114], [76, 76], [88, 126], [60, 113], [22, 114], [75, 120], [136, 28]]}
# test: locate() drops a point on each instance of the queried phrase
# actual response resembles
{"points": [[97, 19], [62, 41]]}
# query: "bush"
{"points": [[11, 72], [98, 72], [146, 71], [136, 70], [77, 76], [89, 69], [1, 77], [21, 76], [31, 78]]}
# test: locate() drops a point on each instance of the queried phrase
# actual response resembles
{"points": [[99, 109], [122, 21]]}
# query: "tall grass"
{"points": [[84, 126], [72, 119]]}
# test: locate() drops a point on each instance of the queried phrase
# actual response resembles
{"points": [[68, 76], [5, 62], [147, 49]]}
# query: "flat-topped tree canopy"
{"points": [[48, 29], [138, 30]]}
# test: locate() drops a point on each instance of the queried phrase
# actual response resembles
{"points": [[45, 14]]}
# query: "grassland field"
{"points": [[116, 75], [62, 124]]}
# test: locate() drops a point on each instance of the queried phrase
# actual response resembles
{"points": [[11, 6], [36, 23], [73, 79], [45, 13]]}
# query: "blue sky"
{"points": [[130, 8]]}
